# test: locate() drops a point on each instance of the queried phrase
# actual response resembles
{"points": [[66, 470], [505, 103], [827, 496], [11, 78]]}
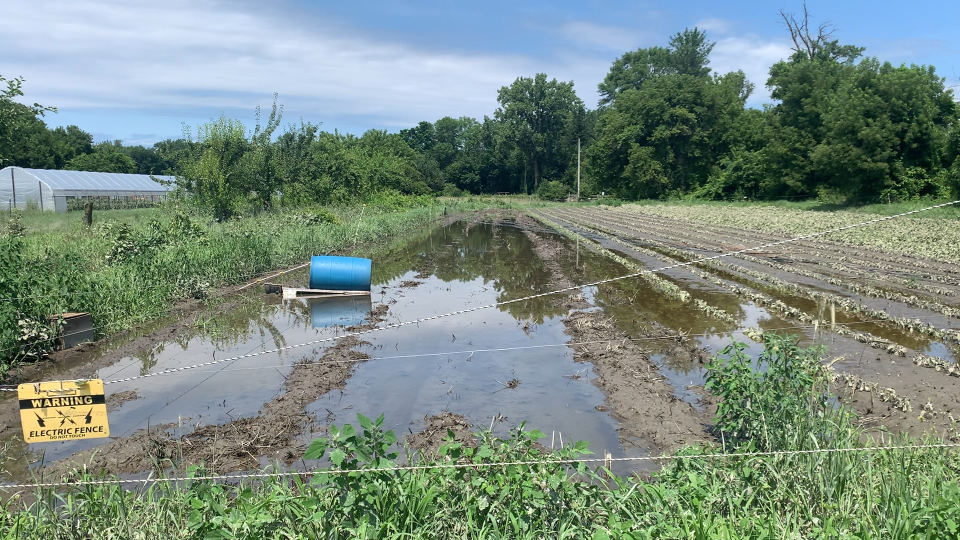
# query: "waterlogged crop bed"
{"points": [[883, 301]]}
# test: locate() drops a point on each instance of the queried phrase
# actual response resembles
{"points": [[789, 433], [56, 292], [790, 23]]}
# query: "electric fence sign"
{"points": [[63, 410]]}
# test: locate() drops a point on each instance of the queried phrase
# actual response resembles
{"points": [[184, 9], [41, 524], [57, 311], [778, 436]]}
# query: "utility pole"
{"points": [[578, 169]]}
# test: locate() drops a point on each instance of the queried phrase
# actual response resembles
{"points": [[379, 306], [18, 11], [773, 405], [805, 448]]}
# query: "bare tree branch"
{"points": [[803, 41]]}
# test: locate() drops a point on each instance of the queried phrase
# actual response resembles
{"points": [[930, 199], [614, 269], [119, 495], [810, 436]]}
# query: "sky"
{"points": [[140, 70]]}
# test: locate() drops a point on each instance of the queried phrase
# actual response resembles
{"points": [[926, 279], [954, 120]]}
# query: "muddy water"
{"points": [[637, 307], [415, 371], [207, 395], [508, 362]]}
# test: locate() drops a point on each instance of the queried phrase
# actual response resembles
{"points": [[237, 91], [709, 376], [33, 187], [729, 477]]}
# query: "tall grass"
{"points": [[909, 493]]}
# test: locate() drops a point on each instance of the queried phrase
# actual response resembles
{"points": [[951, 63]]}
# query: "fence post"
{"points": [[88, 213]]}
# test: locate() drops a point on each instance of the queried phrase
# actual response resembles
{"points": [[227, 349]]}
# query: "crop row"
{"points": [[662, 285], [919, 237], [822, 253], [819, 253], [884, 394], [897, 242], [859, 288], [776, 305], [845, 304], [937, 363]]}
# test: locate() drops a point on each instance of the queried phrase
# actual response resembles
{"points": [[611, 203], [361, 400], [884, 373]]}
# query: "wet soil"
{"points": [[239, 444], [435, 433], [637, 394], [933, 398]]}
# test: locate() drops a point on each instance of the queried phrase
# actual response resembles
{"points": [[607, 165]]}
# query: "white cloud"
{"points": [[183, 54], [195, 58], [752, 55], [610, 38], [719, 26]]}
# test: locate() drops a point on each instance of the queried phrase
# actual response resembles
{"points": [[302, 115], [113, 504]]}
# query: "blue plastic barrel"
{"points": [[339, 310], [340, 273]]}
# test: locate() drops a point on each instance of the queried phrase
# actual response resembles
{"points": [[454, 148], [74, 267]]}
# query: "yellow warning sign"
{"points": [[63, 410]]}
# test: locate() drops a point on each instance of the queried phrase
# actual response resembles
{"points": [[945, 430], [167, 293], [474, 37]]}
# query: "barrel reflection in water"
{"points": [[328, 311]]}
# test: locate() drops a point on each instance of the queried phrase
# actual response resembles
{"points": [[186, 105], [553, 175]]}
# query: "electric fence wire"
{"points": [[525, 298], [488, 465], [507, 349]]}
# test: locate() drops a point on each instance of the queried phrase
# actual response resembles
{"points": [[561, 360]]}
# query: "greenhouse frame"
{"points": [[60, 191]]}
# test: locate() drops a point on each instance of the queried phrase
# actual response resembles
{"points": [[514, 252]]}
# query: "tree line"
{"points": [[843, 126]]}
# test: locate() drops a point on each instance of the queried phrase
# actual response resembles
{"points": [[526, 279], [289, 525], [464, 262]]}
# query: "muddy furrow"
{"points": [[883, 395], [242, 443], [885, 285], [754, 295], [698, 236], [637, 395], [903, 319], [731, 238], [670, 289]]}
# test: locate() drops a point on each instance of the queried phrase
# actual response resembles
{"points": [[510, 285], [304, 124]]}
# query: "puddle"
{"points": [[637, 306], [459, 371]]}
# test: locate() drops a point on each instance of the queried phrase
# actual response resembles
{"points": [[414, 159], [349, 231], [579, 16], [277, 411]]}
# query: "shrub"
{"points": [[553, 191], [450, 190], [775, 402]]}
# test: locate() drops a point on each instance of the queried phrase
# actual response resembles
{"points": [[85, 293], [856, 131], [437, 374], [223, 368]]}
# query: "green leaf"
{"points": [[365, 422], [337, 456], [582, 447], [600, 535], [316, 449], [389, 437]]}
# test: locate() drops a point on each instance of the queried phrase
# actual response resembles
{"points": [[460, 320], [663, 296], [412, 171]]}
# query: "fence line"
{"points": [[504, 349], [569, 461]]}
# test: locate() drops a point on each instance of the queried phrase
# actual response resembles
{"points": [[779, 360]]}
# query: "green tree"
{"points": [[856, 128], [216, 174], [688, 54], [106, 157], [535, 113], [14, 117], [665, 136]]}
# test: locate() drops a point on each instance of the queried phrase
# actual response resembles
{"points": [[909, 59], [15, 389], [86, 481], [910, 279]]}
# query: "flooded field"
{"points": [[619, 365]]}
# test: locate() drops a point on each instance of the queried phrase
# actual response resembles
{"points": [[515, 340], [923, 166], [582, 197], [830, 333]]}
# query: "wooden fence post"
{"points": [[88, 213]]}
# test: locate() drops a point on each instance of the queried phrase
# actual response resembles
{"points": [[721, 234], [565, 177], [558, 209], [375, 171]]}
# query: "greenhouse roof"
{"points": [[93, 181]]}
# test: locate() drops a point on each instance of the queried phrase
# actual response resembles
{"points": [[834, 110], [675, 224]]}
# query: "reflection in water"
{"points": [[329, 311], [463, 253]]}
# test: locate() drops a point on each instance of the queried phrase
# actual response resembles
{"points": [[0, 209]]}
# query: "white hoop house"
{"points": [[52, 190]]}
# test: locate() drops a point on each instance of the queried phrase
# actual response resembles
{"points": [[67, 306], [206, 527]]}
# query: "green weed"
{"points": [[908, 493]]}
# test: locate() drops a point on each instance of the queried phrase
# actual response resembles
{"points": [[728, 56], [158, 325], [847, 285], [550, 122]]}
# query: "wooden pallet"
{"points": [[299, 292]]}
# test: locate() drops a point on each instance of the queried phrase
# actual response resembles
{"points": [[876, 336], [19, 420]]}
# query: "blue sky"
{"points": [[137, 70]]}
